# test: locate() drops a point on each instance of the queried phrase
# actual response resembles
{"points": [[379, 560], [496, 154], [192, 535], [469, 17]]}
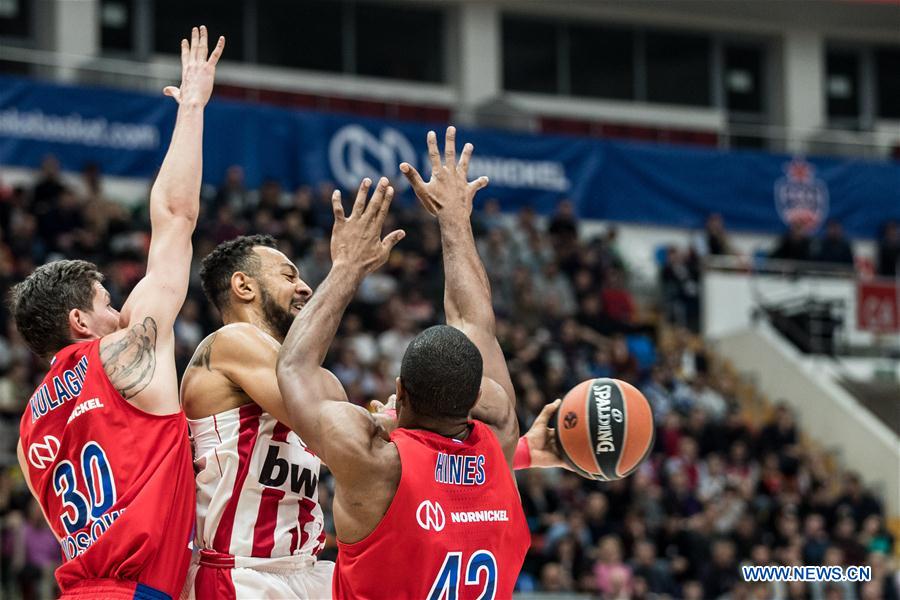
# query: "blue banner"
{"points": [[127, 134]]}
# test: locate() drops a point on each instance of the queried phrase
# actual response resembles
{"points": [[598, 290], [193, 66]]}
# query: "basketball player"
{"points": [[259, 524], [432, 512], [103, 442]]}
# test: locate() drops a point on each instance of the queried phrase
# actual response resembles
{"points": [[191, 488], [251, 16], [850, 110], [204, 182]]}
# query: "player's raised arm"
{"points": [[467, 292], [140, 355], [334, 430]]}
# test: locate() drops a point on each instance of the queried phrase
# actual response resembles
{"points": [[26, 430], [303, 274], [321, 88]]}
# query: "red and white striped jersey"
{"points": [[257, 486]]}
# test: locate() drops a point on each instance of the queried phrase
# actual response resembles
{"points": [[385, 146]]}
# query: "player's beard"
{"points": [[278, 317]]}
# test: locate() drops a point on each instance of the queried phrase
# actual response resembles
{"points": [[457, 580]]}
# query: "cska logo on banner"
{"points": [[800, 197]]}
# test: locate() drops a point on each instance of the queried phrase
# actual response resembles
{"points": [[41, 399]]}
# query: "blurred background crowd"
{"points": [[731, 479]]}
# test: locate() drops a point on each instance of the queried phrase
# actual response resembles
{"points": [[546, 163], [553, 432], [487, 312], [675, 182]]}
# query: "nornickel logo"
{"points": [[43, 455], [430, 516]]}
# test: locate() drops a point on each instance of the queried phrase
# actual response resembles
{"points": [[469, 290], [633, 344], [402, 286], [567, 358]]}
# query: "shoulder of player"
{"points": [[128, 356], [356, 437], [495, 410], [240, 343], [246, 333]]}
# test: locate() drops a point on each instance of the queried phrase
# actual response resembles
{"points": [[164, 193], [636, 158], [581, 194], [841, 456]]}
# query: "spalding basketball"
{"points": [[604, 428]]}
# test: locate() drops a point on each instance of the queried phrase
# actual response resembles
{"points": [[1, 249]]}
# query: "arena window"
{"points": [[530, 55], [601, 62], [887, 65], [842, 84], [116, 25], [15, 19], [399, 44], [172, 20], [744, 84], [305, 35], [678, 68]]}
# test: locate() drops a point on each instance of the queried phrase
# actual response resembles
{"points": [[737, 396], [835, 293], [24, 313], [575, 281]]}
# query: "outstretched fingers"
{"points": [[433, 152], [392, 239], [381, 215], [195, 43], [465, 157], [217, 51], [413, 177], [359, 204], [185, 52], [375, 203], [337, 206], [203, 46], [479, 183], [450, 146]]}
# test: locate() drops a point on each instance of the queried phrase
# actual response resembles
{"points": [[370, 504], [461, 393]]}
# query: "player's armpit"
{"points": [[129, 357]]}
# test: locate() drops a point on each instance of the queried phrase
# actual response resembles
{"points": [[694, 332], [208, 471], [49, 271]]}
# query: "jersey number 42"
{"points": [[446, 584]]}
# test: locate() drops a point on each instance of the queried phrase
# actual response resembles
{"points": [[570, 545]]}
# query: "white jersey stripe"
{"points": [[286, 466]]}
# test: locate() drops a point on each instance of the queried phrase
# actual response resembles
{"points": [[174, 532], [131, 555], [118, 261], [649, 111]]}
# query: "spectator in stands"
{"points": [[555, 292], [48, 187], [715, 240], [721, 575], [833, 248], [889, 249], [618, 303], [489, 218], [653, 570], [271, 199], [613, 576], [553, 578], [35, 554], [860, 503], [795, 244], [709, 400], [680, 286], [780, 434], [563, 227], [232, 191]]}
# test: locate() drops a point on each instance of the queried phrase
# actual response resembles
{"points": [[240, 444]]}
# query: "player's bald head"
{"points": [[441, 373]]}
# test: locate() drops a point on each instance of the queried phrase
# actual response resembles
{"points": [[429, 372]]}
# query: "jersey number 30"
{"points": [[446, 585], [98, 480]]}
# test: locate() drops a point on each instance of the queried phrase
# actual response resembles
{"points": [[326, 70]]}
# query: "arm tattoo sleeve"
{"points": [[130, 362]]}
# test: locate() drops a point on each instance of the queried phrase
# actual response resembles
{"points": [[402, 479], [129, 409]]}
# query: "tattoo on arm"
{"points": [[130, 362], [202, 357]]}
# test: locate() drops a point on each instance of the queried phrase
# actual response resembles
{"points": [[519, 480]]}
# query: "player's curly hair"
{"points": [[41, 304], [227, 258], [441, 373]]}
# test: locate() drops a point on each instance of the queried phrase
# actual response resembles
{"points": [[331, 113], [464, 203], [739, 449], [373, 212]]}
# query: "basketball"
{"points": [[604, 428]]}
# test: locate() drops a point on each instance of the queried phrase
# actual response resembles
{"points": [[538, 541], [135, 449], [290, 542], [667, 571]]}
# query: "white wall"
{"points": [[729, 300]]}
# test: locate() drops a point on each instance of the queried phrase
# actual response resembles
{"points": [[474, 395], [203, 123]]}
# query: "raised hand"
{"points": [[448, 193], [197, 71], [356, 240]]}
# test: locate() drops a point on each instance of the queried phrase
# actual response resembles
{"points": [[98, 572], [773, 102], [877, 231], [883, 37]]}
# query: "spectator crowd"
{"points": [[721, 488]]}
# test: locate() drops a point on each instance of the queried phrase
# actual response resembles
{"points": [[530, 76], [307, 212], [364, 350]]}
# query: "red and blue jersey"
{"points": [[455, 528], [115, 483]]}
